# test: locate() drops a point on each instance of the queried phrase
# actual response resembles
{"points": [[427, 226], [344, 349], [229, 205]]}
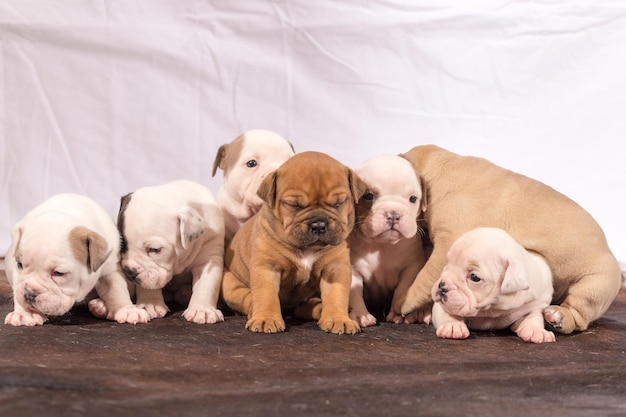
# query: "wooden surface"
{"points": [[76, 365]]}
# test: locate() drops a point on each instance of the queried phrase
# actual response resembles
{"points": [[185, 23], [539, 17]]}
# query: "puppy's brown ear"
{"points": [[192, 225], [515, 278], [219, 158], [358, 187], [267, 189], [89, 247]]}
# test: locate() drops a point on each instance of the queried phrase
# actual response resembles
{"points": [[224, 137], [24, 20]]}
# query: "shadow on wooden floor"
{"points": [[77, 365]]}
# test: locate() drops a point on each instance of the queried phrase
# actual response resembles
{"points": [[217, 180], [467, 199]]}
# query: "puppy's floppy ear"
{"points": [[120, 221], [358, 187], [515, 278], [16, 236], [89, 247], [192, 225], [219, 158], [267, 189]]}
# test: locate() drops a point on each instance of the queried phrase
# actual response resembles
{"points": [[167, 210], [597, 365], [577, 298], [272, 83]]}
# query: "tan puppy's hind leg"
{"points": [[236, 294], [586, 301], [311, 309], [418, 299]]}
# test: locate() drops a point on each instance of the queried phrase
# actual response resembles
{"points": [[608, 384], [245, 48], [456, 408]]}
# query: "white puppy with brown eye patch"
{"points": [[491, 282], [245, 162], [174, 234], [386, 249], [60, 251]]}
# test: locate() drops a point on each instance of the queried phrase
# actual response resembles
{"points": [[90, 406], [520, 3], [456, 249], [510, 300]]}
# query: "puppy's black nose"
{"points": [[131, 273], [318, 226], [30, 295], [442, 291]]}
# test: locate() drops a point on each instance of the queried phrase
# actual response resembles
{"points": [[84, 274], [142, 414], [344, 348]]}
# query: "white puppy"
{"points": [[385, 247], [245, 162], [60, 251], [491, 282], [174, 233]]}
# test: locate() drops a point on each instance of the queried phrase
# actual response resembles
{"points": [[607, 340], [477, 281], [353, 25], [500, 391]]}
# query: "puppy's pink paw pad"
{"points": [[24, 319], [553, 317], [203, 315], [364, 320], [453, 331]]}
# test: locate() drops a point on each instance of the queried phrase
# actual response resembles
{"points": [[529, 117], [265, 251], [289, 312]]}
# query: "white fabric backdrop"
{"points": [[101, 96]]}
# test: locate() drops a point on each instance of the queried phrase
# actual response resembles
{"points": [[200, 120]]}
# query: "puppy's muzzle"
{"points": [[442, 291], [30, 295], [318, 226], [131, 274]]}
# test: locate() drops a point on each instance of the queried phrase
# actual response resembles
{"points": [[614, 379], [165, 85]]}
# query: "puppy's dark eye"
{"points": [[413, 199], [474, 278], [369, 196], [57, 274], [339, 204], [19, 265], [154, 250], [251, 163]]}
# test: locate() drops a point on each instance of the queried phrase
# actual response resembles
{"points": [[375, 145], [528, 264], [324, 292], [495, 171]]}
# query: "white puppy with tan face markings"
{"points": [[60, 251], [174, 234], [386, 249], [491, 282], [245, 162]]}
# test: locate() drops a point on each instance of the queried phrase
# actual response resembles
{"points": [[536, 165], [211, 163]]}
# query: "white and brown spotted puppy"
{"points": [[386, 249], [490, 282], [60, 251], [174, 234], [245, 162], [466, 192]]}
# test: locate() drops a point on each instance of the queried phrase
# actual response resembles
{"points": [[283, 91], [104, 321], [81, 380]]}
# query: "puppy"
{"points": [[245, 162], [174, 234], [293, 253], [467, 192], [60, 251], [385, 248], [490, 282]]}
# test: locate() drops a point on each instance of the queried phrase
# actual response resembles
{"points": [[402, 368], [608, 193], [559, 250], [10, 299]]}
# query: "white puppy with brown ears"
{"points": [[386, 249], [245, 162], [174, 234], [60, 251], [491, 282]]}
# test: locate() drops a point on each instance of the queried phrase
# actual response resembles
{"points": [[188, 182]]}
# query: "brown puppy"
{"points": [[294, 251], [467, 192]]}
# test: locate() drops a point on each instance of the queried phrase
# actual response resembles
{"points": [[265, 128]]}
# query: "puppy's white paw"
{"points": [[364, 320], [155, 311], [532, 335], [98, 308], [132, 314], [456, 330], [203, 314], [553, 317], [23, 318]]}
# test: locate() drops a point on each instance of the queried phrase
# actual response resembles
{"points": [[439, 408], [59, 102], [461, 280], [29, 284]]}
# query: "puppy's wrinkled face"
{"points": [[312, 197], [389, 210], [479, 274], [153, 241], [54, 264], [247, 160]]}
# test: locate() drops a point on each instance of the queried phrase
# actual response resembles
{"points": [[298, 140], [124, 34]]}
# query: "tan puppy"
{"points": [[385, 248], [467, 192], [173, 234], [490, 282], [60, 251], [245, 162], [294, 251]]}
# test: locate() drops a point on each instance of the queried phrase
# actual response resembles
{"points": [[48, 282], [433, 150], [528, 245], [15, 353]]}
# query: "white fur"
{"points": [[513, 289], [386, 254], [175, 230], [41, 245]]}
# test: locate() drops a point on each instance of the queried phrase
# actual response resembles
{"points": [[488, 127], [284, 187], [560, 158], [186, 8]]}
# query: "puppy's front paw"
{"points": [[529, 334], [339, 325], [364, 319], [266, 325], [98, 308], [155, 311], [24, 318], [559, 318], [203, 314], [131, 314], [455, 330]]}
